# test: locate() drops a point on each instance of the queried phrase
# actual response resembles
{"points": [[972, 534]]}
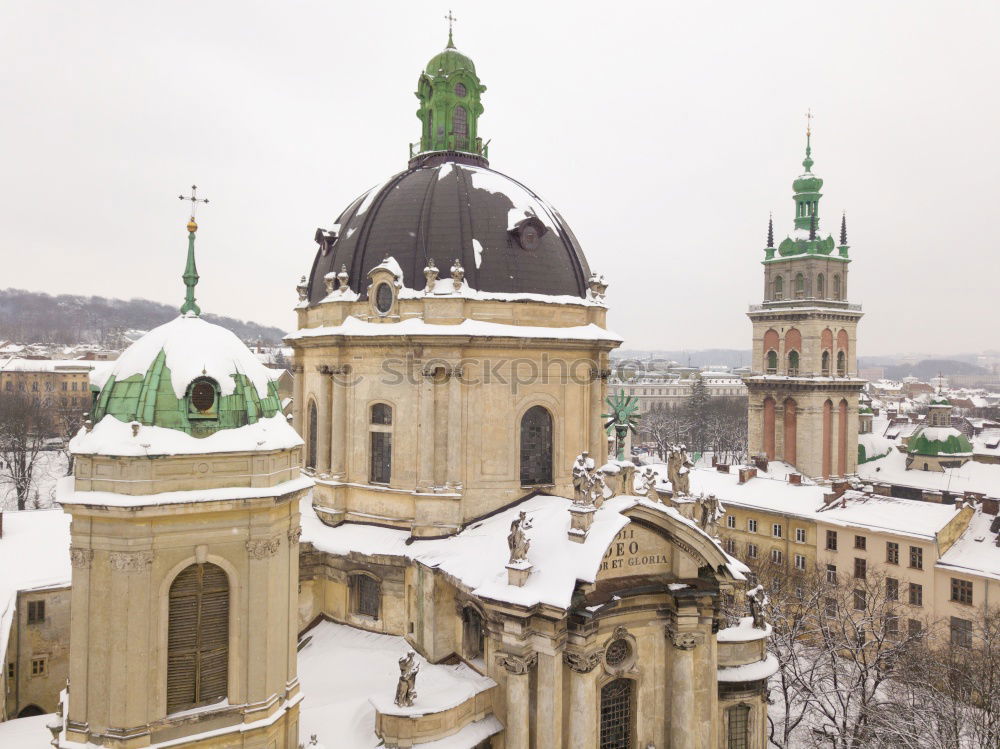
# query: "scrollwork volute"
{"points": [[262, 548], [582, 663], [131, 562], [517, 664]]}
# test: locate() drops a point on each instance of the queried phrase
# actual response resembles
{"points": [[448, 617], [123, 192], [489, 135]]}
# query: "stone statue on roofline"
{"points": [[406, 688], [710, 509], [517, 541], [757, 599], [646, 485], [679, 467], [583, 467]]}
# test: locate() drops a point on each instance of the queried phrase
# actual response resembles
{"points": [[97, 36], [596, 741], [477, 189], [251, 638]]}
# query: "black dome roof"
{"points": [[454, 207]]}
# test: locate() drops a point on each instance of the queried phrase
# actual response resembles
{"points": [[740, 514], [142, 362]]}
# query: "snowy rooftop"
{"points": [[33, 554], [341, 713], [976, 477], [905, 517], [46, 365], [354, 326], [113, 437], [975, 551], [193, 348], [477, 556]]}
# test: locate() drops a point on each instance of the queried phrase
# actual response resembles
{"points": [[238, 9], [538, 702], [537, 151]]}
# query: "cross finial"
{"points": [[808, 160], [451, 20], [193, 197], [809, 116]]}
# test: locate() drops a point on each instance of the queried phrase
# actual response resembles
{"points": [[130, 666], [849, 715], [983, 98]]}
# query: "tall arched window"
{"points": [[836, 286], [616, 715], [738, 727], [313, 434], [380, 459], [472, 633], [800, 286], [826, 364], [536, 446], [793, 363], [821, 286], [779, 288], [772, 362], [460, 126], [841, 364], [198, 638]]}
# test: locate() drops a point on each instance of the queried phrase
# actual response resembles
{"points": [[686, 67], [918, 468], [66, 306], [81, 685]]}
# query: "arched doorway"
{"points": [[536, 446], [30, 711]]}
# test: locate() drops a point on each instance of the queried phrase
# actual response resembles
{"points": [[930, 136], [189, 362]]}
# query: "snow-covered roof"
{"points": [[905, 517], [477, 555], [975, 552], [354, 326], [983, 478], [193, 348], [67, 496], [33, 554], [46, 365], [113, 437], [341, 711], [750, 671]]}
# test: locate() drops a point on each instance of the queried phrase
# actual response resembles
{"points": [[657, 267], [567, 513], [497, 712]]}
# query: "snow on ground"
{"points": [[341, 712], [50, 467], [26, 733]]}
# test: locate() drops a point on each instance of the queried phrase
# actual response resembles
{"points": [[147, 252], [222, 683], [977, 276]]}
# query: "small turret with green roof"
{"points": [[806, 195], [449, 92]]}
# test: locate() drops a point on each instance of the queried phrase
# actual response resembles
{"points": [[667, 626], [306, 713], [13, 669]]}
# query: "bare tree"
{"points": [[67, 422], [24, 424]]}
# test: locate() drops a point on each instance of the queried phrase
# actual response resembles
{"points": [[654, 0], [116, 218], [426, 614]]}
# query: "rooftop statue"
{"points": [[406, 689]]}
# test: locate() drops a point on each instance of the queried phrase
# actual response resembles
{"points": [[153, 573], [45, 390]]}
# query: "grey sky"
{"points": [[663, 132]]}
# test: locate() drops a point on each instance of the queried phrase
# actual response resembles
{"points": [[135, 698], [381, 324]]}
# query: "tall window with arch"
{"points": [[312, 434], [793, 363], [821, 286], [841, 364], [536, 446], [772, 362], [460, 126], [473, 633], [800, 286], [836, 286], [738, 727], [779, 288], [197, 638], [617, 715], [380, 439], [825, 367]]}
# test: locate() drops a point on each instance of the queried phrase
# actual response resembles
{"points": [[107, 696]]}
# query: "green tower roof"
{"points": [[939, 441]]}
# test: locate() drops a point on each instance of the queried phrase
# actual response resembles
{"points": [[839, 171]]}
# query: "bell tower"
{"points": [[803, 389], [449, 92]]}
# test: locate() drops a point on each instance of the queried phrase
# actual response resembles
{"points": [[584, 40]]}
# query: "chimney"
{"points": [[761, 462], [747, 473], [795, 479], [991, 506], [840, 486], [722, 467]]}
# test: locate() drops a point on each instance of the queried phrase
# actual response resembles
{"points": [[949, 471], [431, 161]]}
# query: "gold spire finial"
{"points": [[809, 116], [193, 197]]}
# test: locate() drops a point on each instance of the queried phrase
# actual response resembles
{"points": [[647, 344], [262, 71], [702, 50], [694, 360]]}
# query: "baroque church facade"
{"points": [[435, 504]]}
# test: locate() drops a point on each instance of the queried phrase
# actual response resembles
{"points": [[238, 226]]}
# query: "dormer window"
{"points": [[383, 298], [529, 232], [203, 399]]}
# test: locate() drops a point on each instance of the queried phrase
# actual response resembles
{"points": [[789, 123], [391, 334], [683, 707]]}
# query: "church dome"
{"points": [[807, 182], [448, 206], [939, 441], [189, 375], [449, 61]]}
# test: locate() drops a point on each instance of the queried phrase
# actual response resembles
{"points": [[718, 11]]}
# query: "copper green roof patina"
{"points": [[806, 239], [449, 92], [955, 443]]}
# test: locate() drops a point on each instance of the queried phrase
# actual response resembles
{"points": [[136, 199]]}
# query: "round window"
{"points": [[383, 298], [618, 652], [459, 89], [203, 396]]}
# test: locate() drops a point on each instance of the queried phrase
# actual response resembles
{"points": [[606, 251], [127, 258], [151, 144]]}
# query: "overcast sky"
{"points": [[663, 132]]}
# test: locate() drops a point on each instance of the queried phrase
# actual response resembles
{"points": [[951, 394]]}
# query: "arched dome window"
{"points": [[779, 288], [380, 458], [800, 286], [460, 126], [198, 638], [203, 399], [821, 286], [536, 447]]}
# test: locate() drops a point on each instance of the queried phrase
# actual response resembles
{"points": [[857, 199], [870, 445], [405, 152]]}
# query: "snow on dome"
{"points": [[193, 348]]}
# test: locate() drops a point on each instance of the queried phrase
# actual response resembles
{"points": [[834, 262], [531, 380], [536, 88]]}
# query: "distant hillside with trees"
{"points": [[35, 317], [928, 368]]}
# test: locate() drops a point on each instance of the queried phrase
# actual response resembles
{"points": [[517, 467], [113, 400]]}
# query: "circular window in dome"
{"points": [[460, 89], [529, 237], [383, 298], [203, 396], [618, 652]]}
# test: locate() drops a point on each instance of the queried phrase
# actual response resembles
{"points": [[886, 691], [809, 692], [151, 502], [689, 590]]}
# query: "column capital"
{"points": [[262, 548], [131, 562], [582, 663], [683, 639], [517, 664]]}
